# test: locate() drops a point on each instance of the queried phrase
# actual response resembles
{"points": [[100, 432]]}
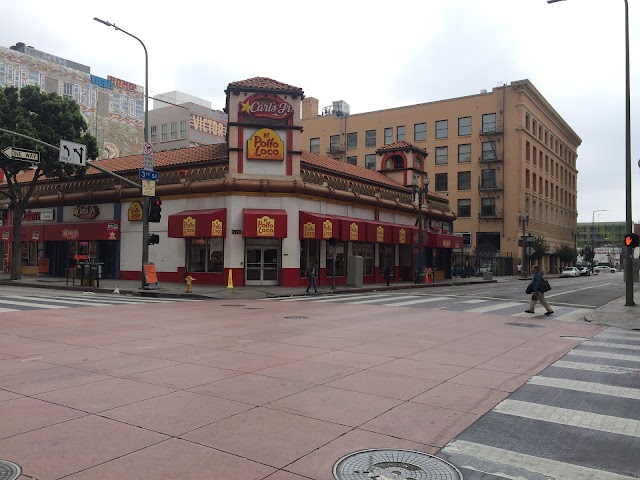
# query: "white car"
{"points": [[570, 272], [585, 271], [604, 269]]}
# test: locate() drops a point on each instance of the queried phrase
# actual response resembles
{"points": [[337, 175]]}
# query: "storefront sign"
{"points": [[266, 227], [189, 227], [380, 234], [86, 212], [266, 107], [327, 229], [216, 228], [402, 236], [102, 82], [353, 232], [5, 235], [265, 144], [435, 226], [35, 235], [135, 212], [309, 230], [445, 227], [117, 82], [44, 215], [70, 233]]}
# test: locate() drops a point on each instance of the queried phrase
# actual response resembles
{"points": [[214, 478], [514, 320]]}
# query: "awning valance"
{"points": [[264, 223], [379, 232], [318, 226], [79, 231], [352, 229], [441, 240], [198, 223]]}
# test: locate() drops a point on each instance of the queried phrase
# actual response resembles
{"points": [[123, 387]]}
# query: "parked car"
{"points": [[585, 271], [604, 269], [570, 272]]}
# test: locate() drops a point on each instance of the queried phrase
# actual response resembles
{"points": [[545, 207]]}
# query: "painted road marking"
{"points": [[378, 300], [614, 345], [594, 367], [28, 304], [577, 290], [59, 300], [317, 299], [474, 300], [609, 356], [338, 298], [587, 387], [490, 308], [415, 302]]}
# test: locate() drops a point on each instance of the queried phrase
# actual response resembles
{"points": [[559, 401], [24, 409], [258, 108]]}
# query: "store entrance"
{"points": [[262, 264]]}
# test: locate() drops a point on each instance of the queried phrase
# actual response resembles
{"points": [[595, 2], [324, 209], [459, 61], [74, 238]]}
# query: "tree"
{"points": [[46, 117], [588, 254], [541, 248], [566, 254]]}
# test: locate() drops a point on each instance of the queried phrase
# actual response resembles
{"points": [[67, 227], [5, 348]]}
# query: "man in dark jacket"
{"points": [[536, 294], [312, 273]]}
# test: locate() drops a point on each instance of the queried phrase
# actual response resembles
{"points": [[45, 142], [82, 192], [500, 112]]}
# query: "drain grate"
{"points": [[295, 317], [9, 470], [387, 464], [529, 325]]}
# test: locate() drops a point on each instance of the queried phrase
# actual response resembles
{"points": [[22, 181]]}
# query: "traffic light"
{"points": [[155, 209], [154, 239], [631, 240]]}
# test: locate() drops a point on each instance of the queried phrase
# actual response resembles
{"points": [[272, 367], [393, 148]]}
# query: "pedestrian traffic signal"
{"points": [[631, 240], [154, 239], [155, 209]]}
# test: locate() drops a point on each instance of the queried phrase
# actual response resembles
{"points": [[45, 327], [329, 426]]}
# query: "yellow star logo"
{"points": [[245, 107]]}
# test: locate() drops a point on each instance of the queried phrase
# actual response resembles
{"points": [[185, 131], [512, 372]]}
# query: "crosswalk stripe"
{"points": [[490, 308], [312, 298], [594, 367], [573, 418], [46, 300], [606, 355], [416, 302], [587, 387], [7, 310], [378, 300], [339, 298], [614, 345], [29, 304], [538, 465], [572, 316], [475, 300]]}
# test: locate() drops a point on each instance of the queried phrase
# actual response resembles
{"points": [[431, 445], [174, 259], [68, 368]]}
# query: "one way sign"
{"points": [[73, 153]]}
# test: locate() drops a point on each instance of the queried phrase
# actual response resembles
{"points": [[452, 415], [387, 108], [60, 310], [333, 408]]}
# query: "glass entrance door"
{"points": [[262, 265]]}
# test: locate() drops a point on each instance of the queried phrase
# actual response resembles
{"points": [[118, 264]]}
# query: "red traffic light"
{"points": [[156, 201], [631, 240]]}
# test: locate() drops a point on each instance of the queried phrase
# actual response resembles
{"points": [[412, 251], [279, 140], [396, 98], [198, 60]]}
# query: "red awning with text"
{"points": [[318, 226], [440, 240], [198, 223], [80, 231], [264, 223], [352, 229], [379, 232]]}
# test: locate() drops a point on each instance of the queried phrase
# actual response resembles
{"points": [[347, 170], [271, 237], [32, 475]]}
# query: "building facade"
{"points": [[494, 155], [256, 209], [112, 107]]}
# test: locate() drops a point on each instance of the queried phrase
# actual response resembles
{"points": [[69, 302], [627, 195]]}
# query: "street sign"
{"points": [[21, 154], [148, 188], [147, 149], [148, 175], [71, 152], [147, 162], [530, 251]]}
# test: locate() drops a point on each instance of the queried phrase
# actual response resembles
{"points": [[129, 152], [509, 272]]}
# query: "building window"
{"points": [[419, 132], [464, 180], [340, 260], [183, 129], [442, 182], [370, 139], [153, 133], [205, 254], [370, 161], [352, 141], [164, 132], [464, 207], [489, 123], [68, 91], [464, 153], [441, 155], [466, 239], [488, 207], [527, 152], [488, 151], [334, 144], [527, 121], [365, 250], [535, 182], [400, 133], [526, 180], [314, 145], [388, 136], [464, 126], [173, 131], [442, 128], [488, 179], [352, 160]]}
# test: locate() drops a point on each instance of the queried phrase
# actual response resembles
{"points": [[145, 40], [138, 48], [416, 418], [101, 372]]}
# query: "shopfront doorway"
{"points": [[262, 262]]}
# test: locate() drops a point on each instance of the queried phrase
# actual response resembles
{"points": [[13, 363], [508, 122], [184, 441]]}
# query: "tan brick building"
{"points": [[495, 155]]}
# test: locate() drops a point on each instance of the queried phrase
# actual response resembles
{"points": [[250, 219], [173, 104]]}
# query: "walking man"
{"points": [[312, 273], [519, 268], [536, 294]]}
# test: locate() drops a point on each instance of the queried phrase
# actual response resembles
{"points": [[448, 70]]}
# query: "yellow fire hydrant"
{"points": [[189, 279]]}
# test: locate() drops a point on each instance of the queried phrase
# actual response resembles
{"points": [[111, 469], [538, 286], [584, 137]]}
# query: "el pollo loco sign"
{"points": [[263, 106]]}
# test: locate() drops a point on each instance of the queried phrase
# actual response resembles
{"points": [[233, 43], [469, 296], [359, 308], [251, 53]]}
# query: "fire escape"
{"points": [[491, 161], [337, 143]]}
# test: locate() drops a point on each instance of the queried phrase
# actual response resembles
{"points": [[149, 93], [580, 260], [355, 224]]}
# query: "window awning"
{"points": [[352, 229], [403, 235], [441, 240], [318, 226], [264, 223], [379, 232], [198, 223], [109, 230]]}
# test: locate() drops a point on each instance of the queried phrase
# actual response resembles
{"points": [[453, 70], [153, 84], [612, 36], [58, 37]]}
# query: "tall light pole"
{"points": [[145, 200], [593, 228], [420, 184], [628, 258], [523, 218]]}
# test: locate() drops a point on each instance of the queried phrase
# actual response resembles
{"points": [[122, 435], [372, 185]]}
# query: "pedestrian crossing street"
{"points": [[15, 303], [577, 419], [455, 303]]}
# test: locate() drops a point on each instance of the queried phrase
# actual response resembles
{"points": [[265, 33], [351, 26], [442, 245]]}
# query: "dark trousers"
{"points": [[312, 282]]}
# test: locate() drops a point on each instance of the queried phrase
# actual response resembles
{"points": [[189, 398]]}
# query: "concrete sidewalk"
{"points": [[617, 314]]}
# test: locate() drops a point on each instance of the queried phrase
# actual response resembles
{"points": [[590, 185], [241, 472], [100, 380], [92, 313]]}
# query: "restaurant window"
{"points": [[441, 155], [442, 182], [370, 138], [365, 250], [340, 259], [388, 136], [385, 257], [464, 153], [309, 252], [401, 132], [205, 254], [464, 126], [442, 128], [314, 145], [419, 132], [31, 252], [352, 141]]}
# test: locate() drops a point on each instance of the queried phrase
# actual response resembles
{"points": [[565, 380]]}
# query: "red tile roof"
{"points": [[264, 83], [313, 159], [401, 145]]}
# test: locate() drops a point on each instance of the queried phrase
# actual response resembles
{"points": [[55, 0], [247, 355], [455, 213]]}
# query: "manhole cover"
{"points": [[387, 464], [9, 470], [295, 317], [529, 325]]}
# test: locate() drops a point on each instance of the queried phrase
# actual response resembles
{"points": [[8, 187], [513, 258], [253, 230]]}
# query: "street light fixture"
{"points": [[628, 258], [420, 188], [145, 200], [523, 218], [593, 228]]}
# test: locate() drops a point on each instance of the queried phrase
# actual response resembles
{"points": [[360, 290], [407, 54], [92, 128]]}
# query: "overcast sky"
{"points": [[375, 55]]}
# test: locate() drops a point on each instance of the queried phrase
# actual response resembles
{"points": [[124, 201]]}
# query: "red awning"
{"points": [[318, 226], [379, 232], [264, 223], [403, 235], [80, 231], [6, 233], [352, 229], [198, 223], [440, 240]]}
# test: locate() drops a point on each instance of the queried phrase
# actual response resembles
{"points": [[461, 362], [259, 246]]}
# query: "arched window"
{"points": [[394, 162]]}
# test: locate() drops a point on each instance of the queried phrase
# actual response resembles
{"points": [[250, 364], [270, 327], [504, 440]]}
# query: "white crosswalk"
{"points": [[493, 306], [16, 303]]}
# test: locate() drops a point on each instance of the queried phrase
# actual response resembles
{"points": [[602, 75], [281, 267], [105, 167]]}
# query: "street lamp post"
{"points": [[628, 258], [145, 200], [523, 218], [593, 228], [420, 186]]}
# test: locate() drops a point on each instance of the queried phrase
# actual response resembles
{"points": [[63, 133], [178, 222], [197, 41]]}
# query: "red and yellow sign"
{"points": [[327, 229], [353, 232], [402, 236], [265, 227], [309, 230], [265, 144], [379, 234], [134, 213], [216, 228], [189, 227], [260, 105]]}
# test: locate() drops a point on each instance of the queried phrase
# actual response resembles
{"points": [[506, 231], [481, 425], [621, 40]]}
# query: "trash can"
{"points": [[487, 276]]}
